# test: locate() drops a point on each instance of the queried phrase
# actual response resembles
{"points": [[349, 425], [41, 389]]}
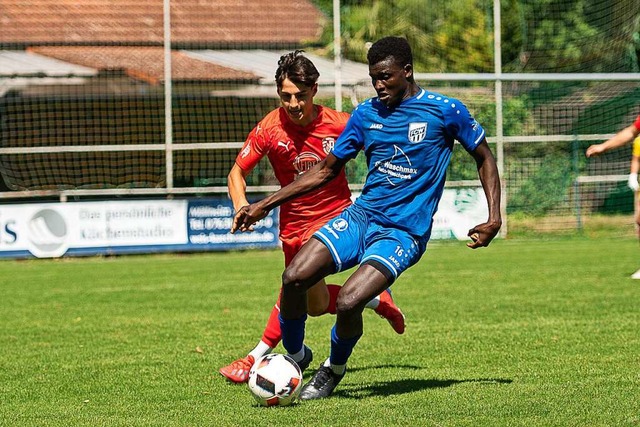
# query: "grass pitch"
{"points": [[523, 333]]}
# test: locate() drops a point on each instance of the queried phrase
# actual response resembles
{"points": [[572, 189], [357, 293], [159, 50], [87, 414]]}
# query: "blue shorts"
{"points": [[354, 238]]}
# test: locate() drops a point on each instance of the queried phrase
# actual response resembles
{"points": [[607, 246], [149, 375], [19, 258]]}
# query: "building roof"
{"points": [[31, 64], [20, 69], [200, 22], [263, 63], [144, 63], [127, 35]]}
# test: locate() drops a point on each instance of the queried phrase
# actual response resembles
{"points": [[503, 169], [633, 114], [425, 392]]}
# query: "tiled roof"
{"points": [[143, 63], [263, 63], [206, 22], [127, 34]]}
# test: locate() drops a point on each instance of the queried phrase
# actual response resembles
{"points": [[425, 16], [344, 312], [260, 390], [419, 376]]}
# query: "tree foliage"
{"points": [[456, 36], [573, 35], [445, 35], [537, 36]]}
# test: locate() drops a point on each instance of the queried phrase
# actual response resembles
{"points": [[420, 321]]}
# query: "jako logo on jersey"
{"points": [[375, 126], [305, 161], [245, 151], [340, 224], [417, 131], [328, 143]]}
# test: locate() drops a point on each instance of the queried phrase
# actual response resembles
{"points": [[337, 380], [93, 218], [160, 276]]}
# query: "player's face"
{"points": [[390, 80], [297, 100]]}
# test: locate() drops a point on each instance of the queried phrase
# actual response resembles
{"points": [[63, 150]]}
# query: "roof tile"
{"points": [[143, 63], [133, 21]]}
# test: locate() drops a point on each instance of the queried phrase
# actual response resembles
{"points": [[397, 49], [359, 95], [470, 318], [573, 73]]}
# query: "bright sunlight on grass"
{"points": [[523, 333]]}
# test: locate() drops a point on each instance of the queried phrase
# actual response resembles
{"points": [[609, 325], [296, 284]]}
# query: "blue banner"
{"points": [[209, 222]]}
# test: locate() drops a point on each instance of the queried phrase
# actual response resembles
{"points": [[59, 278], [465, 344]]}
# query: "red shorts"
{"points": [[292, 244]]}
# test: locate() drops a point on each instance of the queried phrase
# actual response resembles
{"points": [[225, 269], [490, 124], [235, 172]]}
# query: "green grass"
{"points": [[524, 333]]}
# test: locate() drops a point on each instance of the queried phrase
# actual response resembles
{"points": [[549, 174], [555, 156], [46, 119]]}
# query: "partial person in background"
{"points": [[295, 137], [625, 136], [633, 184], [407, 134]]}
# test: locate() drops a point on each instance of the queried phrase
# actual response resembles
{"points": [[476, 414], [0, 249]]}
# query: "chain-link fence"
{"points": [[122, 98]]}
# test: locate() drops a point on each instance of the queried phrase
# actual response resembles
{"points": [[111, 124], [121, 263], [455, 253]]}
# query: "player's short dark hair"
{"points": [[297, 68], [396, 47]]}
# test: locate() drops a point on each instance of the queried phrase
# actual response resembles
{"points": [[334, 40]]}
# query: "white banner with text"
{"points": [[47, 230]]}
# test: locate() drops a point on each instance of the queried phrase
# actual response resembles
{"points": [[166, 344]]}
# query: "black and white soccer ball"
{"points": [[275, 380]]}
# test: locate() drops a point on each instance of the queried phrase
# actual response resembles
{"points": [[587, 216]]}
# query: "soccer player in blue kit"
{"points": [[407, 135]]}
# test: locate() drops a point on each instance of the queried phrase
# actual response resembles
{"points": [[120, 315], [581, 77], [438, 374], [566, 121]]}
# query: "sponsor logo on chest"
{"points": [[305, 161]]}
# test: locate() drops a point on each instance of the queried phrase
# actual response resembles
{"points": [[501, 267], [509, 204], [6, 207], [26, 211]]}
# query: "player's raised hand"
{"points": [[247, 216], [482, 234]]}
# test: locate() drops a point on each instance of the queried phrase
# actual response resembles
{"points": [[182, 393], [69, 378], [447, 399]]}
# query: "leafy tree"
{"points": [[546, 188], [457, 36], [446, 36], [569, 35]]}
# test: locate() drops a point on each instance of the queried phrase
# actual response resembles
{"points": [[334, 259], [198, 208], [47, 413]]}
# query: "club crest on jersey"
{"points": [[417, 131], [340, 224], [327, 144]]}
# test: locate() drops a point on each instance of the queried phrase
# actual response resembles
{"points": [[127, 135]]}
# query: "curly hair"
{"points": [[297, 68], [396, 47]]}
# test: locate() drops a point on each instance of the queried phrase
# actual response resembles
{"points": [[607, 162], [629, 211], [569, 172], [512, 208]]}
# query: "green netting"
{"points": [[546, 125]]}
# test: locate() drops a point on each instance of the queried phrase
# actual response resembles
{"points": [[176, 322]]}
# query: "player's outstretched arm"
{"points": [[320, 174], [237, 187], [623, 137], [483, 234]]}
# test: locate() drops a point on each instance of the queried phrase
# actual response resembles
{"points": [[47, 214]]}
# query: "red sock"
{"points": [[333, 297], [272, 334]]}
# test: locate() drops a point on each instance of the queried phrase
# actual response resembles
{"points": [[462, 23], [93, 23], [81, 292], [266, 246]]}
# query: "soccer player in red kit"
{"points": [[295, 137], [627, 135]]}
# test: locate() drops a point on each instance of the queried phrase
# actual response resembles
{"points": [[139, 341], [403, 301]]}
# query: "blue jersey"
{"points": [[408, 149]]}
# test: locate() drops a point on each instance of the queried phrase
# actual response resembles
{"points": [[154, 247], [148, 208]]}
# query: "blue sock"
{"points": [[292, 333], [341, 348]]}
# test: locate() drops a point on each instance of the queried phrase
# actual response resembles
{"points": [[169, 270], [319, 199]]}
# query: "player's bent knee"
{"points": [[348, 303], [291, 279]]}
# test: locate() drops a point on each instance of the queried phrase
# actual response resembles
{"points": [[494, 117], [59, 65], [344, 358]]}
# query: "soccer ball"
{"points": [[275, 380]]}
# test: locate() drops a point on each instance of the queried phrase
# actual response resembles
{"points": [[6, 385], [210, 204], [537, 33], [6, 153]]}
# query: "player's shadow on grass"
{"points": [[408, 385]]}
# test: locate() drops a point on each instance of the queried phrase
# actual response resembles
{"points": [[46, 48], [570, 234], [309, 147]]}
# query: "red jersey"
{"points": [[637, 123], [293, 150]]}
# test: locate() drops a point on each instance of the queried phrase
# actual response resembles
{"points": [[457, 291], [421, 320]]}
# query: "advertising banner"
{"points": [[459, 210], [46, 230], [209, 222]]}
